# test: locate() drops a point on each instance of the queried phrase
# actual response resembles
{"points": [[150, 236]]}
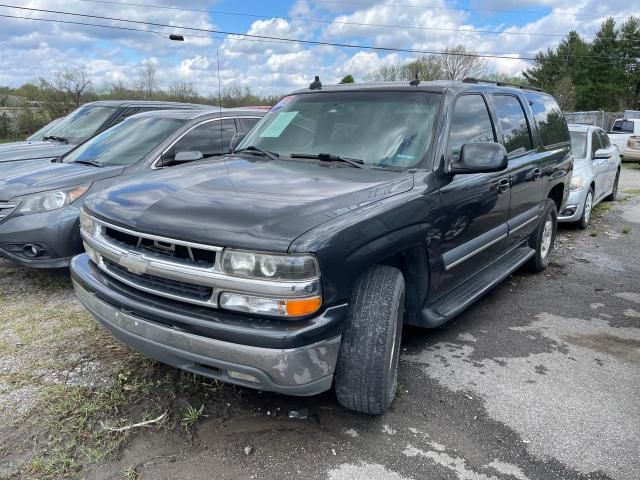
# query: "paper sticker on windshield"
{"points": [[282, 103], [278, 124]]}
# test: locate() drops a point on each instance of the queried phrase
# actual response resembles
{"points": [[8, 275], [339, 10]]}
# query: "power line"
{"points": [[270, 39], [330, 22]]}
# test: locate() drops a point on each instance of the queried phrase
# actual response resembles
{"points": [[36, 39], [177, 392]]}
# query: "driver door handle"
{"points": [[504, 184]]}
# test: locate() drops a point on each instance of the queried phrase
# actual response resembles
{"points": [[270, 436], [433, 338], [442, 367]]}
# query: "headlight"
{"points": [[577, 183], [241, 263], [293, 307], [86, 222], [52, 200]]}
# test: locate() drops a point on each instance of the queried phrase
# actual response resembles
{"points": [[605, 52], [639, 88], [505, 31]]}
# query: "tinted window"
{"points": [[622, 126], [210, 139], [513, 123], [595, 142], [118, 146], [246, 124], [549, 118], [579, 144], [470, 123], [383, 129]]}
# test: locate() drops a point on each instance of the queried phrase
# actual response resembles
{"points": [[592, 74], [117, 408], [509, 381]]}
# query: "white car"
{"points": [[622, 130], [596, 172]]}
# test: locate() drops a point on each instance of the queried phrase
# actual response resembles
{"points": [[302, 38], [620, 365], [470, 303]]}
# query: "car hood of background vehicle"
{"points": [[244, 203], [50, 177], [16, 151]]}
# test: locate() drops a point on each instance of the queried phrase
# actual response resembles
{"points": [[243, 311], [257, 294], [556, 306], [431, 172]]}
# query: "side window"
{"points": [[245, 124], [622, 126], [595, 142], [549, 118], [513, 123], [604, 139], [470, 123], [208, 138]]}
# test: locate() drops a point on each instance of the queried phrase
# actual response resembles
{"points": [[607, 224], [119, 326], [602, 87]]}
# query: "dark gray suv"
{"points": [[39, 207]]}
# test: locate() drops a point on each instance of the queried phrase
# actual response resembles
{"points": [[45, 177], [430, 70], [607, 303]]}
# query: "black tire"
{"points": [[540, 260], [585, 218], [614, 194], [366, 372]]}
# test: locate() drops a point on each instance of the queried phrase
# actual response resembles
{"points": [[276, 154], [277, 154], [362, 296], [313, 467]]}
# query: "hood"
{"points": [[243, 203], [50, 177], [11, 152]]}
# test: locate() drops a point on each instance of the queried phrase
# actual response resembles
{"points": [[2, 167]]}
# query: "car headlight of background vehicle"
{"points": [[302, 269], [51, 200], [577, 183]]}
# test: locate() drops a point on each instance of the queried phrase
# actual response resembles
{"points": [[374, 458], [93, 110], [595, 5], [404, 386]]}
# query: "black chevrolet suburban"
{"points": [[292, 264]]}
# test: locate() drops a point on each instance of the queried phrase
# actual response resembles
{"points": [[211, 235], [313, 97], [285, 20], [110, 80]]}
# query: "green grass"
{"points": [[191, 415], [601, 209], [593, 233], [632, 191], [631, 165], [626, 230]]}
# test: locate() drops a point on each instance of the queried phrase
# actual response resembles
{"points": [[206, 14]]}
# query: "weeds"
{"points": [[626, 230], [593, 233], [130, 473], [191, 415]]}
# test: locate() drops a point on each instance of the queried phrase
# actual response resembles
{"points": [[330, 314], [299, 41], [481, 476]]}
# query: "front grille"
{"points": [[6, 209], [185, 253], [163, 286]]}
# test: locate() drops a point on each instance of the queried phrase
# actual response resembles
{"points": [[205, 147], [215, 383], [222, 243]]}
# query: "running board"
{"points": [[461, 297]]}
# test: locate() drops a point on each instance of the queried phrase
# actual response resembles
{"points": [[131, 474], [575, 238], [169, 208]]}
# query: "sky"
{"points": [[30, 49]]}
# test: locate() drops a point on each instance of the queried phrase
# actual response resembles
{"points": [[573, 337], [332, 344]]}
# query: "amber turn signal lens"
{"points": [[296, 308]]}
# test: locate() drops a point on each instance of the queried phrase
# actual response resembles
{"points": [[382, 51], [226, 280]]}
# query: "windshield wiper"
{"points": [[55, 137], [258, 151], [88, 162], [328, 157]]}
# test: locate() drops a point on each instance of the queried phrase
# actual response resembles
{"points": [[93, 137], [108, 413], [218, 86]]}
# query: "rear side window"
{"points": [[470, 123], [549, 118], [622, 126], [245, 124], [513, 123]]}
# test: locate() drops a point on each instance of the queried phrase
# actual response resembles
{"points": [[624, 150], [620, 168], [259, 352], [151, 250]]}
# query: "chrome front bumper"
{"points": [[302, 371]]}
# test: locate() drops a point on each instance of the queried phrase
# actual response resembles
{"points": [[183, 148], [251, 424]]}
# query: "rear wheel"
{"points": [[366, 373], [542, 240], [586, 210], [614, 192]]}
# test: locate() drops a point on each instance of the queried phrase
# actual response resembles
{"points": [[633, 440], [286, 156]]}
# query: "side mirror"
{"points": [[236, 140], [180, 157], [602, 153], [480, 158]]}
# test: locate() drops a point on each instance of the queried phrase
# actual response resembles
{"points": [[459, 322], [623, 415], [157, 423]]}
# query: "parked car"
{"points": [[39, 207], [622, 130], [40, 134], [346, 212], [631, 152], [595, 174], [80, 125]]}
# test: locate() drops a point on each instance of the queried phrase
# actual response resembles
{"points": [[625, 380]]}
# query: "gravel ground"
{"points": [[539, 380]]}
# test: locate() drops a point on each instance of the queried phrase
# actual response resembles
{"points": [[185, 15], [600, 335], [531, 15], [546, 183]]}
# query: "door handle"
{"points": [[536, 174], [503, 185]]}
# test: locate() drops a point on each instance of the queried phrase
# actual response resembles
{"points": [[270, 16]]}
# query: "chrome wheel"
{"points": [[547, 236], [588, 206]]}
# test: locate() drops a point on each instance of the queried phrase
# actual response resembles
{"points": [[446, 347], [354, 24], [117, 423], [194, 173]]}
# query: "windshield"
{"points": [[38, 135], [383, 129], [81, 124], [579, 144], [119, 145]]}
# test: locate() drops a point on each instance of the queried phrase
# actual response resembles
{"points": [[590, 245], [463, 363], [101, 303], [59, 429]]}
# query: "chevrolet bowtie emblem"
{"points": [[134, 263]]}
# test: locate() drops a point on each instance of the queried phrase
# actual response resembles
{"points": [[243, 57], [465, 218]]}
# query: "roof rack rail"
{"points": [[501, 84]]}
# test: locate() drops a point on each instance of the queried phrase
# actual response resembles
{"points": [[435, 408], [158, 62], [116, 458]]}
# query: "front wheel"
{"points": [[543, 239], [366, 373], [586, 210]]}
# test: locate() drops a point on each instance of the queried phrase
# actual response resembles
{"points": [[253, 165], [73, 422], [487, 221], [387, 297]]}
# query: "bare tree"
{"points": [[425, 67], [147, 79], [65, 91], [182, 92], [384, 73], [459, 63]]}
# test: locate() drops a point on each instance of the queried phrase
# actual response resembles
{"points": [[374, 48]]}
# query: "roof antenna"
{"points": [[316, 84], [415, 82]]}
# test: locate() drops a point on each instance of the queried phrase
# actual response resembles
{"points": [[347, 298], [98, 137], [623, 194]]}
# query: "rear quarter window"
{"points": [[552, 125]]}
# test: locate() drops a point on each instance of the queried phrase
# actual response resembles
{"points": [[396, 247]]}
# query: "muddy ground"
{"points": [[539, 380]]}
